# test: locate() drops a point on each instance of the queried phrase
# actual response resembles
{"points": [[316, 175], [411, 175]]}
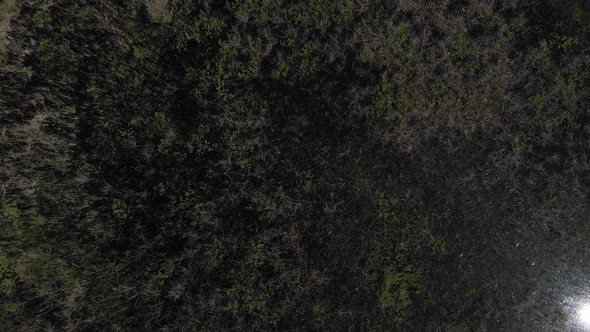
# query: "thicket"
{"points": [[285, 165]]}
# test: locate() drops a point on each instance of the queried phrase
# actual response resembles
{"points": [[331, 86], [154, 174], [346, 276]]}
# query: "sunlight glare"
{"points": [[584, 314]]}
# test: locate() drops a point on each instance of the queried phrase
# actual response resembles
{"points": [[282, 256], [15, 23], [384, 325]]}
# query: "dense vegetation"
{"points": [[288, 165]]}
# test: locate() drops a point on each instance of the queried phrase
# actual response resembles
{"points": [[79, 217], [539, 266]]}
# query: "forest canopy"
{"points": [[266, 165]]}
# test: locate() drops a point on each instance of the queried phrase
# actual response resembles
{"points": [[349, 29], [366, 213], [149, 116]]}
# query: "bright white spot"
{"points": [[584, 314]]}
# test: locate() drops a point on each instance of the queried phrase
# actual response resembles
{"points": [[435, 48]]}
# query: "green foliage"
{"points": [[386, 211], [569, 81], [7, 279], [536, 100], [139, 52], [8, 9], [439, 246], [119, 209], [471, 292], [507, 33], [10, 211], [263, 166], [396, 289], [563, 42], [42, 17]]}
